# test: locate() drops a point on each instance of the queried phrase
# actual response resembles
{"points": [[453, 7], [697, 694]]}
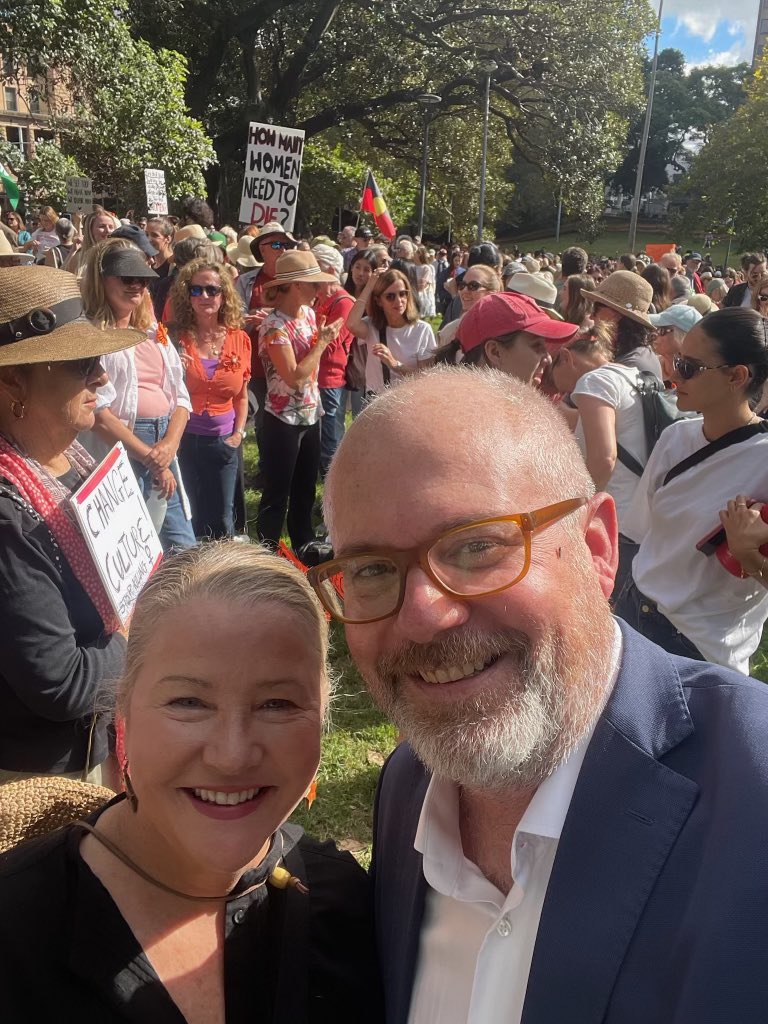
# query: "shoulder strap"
{"points": [[385, 371], [733, 437], [628, 460]]}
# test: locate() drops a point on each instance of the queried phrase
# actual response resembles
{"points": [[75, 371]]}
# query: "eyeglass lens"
{"points": [[473, 286], [128, 281], [209, 290], [469, 562], [391, 296]]}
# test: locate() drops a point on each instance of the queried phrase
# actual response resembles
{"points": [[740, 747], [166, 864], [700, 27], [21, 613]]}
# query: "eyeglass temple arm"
{"points": [[545, 516]]}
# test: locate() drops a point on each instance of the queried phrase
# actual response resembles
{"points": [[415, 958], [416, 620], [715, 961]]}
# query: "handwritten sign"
{"points": [[157, 197], [80, 195], [272, 172], [118, 530]]}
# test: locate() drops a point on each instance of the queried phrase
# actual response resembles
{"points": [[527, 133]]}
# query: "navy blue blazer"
{"points": [[657, 906]]}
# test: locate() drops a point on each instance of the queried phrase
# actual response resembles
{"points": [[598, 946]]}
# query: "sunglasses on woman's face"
{"points": [[129, 282], [86, 368], [472, 286], [687, 368], [210, 291], [392, 296]]}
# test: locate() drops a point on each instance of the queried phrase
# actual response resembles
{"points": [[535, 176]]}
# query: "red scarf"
{"points": [[32, 488]]}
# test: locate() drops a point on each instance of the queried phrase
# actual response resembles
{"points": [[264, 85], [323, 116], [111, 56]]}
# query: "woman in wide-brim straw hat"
{"points": [[60, 638], [622, 302], [291, 343]]}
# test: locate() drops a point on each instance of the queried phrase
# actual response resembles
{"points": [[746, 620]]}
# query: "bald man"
{"points": [[575, 828], [672, 262]]}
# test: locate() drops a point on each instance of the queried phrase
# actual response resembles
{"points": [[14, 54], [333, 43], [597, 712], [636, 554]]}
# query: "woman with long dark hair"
{"points": [[622, 302], [385, 317], [360, 269], [658, 278], [698, 476], [575, 308]]}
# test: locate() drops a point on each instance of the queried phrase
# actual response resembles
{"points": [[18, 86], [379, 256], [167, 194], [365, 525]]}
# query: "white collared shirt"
{"points": [[476, 944]]}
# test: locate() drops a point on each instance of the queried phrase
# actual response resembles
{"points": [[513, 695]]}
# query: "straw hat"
{"points": [[627, 293], [702, 304], [270, 232], [296, 265], [190, 231], [240, 253], [37, 806], [538, 288], [42, 320]]}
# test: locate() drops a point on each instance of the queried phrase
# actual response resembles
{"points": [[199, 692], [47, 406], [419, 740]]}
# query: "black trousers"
{"points": [[290, 461], [641, 613]]}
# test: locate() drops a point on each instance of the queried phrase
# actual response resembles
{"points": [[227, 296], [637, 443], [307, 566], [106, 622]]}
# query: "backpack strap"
{"points": [[628, 460], [736, 436], [385, 370]]}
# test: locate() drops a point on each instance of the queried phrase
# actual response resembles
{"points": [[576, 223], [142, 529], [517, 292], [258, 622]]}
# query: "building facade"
{"points": [[27, 106]]}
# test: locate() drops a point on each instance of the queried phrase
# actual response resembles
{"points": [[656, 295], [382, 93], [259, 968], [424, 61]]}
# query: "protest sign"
{"points": [[157, 197], [658, 249], [79, 195], [118, 530], [272, 172]]}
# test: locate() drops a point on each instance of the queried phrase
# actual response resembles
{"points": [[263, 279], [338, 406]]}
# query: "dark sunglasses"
{"points": [[129, 281], [762, 297], [209, 290], [391, 296], [473, 286], [277, 245], [687, 368], [85, 368]]}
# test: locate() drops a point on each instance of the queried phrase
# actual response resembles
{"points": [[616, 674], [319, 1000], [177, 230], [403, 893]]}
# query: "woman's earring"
{"points": [[133, 800], [17, 408]]}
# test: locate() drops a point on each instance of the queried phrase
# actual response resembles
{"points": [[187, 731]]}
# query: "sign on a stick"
{"points": [[79, 195], [272, 172], [157, 197]]}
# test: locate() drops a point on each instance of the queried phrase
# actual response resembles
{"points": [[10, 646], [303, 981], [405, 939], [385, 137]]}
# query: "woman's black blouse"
{"points": [[54, 654], [67, 954]]}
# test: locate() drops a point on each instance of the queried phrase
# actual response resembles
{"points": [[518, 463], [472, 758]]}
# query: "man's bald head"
{"points": [[479, 419], [672, 262]]}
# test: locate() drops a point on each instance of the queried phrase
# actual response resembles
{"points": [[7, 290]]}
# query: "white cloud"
{"points": [[703, 22], [725, 58]]}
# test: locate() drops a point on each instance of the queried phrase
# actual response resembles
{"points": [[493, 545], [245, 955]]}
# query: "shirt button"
{"points": [[238, 917], [504, 928], [644, 608]]}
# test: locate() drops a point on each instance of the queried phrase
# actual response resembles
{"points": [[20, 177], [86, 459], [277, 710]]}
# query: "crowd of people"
{"points": [[544, 533]]}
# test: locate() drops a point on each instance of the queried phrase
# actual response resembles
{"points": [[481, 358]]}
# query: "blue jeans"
{"points": [[332, 424], [210, 467], [176, 533]]}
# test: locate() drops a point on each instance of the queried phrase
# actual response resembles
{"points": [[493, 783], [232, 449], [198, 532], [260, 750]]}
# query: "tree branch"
{"points": [[292, 80]]}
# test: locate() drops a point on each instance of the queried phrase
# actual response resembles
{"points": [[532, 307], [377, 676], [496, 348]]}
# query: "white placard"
{"points": [[79, 195], [118, 530], [157, 197], [272, 173]]}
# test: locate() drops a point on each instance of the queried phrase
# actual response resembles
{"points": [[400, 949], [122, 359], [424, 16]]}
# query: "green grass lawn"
{"points": [[614, 243]]}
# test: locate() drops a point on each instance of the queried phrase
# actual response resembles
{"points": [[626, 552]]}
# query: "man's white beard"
{"points": [[501, 738]]}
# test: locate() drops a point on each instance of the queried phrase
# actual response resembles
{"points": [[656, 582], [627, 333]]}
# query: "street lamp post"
{"points": [[646, 133], [427, 100], [488, 68]]}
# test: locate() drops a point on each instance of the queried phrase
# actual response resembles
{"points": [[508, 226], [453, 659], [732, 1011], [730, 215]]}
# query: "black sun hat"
{"points": [[42, 320]]}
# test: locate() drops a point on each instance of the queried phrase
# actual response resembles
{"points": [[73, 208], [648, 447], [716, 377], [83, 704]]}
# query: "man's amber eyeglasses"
{"points": [[473, 560]]}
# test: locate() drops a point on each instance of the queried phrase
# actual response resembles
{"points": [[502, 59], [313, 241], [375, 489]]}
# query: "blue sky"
{"points": [[710, 31]]}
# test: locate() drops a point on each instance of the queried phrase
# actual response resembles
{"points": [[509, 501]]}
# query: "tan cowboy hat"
{"points": [[240, 253], [297, 265], [42, 320], [538, 288], [189, 231], [627, 293]]}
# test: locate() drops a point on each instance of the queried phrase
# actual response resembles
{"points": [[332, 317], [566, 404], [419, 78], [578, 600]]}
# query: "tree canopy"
{"points": [[727, 178]]}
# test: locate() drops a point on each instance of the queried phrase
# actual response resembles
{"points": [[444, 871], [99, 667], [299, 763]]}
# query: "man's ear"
{"points": [[492, 353], [602, 539]]}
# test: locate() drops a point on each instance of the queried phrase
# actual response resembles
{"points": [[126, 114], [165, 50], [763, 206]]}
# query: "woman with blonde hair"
{"points": [[145, 403], [96, 226], [575, 308], [473, 285], [44, 237], [208, 319], [191, 897], [385, 317]]}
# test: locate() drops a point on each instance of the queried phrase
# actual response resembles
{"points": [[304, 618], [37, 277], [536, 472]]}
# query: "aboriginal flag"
{"points": [[373, 202]]}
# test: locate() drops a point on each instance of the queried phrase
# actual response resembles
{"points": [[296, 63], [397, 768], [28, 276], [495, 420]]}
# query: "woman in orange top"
{"points": [[217, 356]]}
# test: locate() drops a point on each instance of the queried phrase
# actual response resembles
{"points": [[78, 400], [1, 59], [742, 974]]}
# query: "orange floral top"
{"points": [[216, 396]]}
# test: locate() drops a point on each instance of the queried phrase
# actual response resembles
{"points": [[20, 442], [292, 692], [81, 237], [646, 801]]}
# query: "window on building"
{"points": [[10, 99], [14, 136], [34, 101]]}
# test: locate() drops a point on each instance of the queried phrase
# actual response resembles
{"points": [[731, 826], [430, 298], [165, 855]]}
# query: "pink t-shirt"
{"points": [[150, 370]]}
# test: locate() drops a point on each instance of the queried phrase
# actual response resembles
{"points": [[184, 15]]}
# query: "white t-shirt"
{"points": [[409, 345], [614, 385], [719, 613]]}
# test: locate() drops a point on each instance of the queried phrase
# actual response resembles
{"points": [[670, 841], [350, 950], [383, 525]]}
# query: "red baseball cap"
{"points": [[502, 313]]}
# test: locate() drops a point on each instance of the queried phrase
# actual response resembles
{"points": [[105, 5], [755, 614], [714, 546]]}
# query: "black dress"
{"points": [[68, 955]]}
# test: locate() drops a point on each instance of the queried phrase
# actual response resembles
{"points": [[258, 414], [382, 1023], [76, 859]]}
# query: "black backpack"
{"points": [[659, 412]]}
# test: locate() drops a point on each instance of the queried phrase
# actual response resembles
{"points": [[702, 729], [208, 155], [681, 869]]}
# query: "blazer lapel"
{"points": [[626, 813]]}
